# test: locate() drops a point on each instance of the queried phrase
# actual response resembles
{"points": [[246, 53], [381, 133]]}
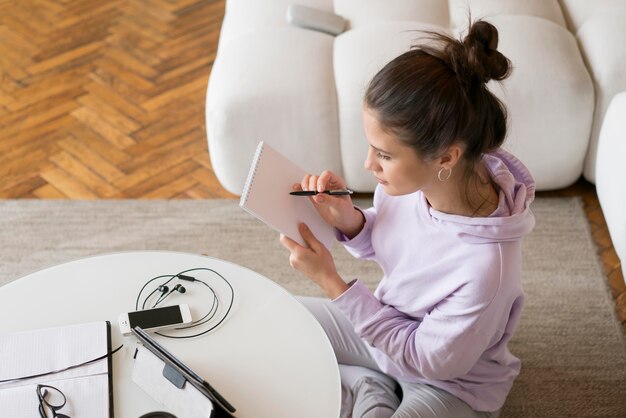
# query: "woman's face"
{"points": [[395, 165]]}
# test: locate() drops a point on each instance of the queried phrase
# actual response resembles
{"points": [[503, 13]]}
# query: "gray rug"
{"points": [[572, 350]]}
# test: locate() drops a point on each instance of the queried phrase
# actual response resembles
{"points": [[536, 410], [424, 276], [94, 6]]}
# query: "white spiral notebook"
{"points": [[266, 196]]}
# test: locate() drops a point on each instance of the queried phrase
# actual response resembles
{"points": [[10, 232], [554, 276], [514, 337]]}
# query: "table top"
{"points": [[269, 358]]}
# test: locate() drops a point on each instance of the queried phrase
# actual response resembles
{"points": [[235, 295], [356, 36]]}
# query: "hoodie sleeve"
{"points": [[445, 344], [361, 245]]}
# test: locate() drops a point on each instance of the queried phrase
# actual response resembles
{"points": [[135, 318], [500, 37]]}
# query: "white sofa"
{"points": [[301, 90]]}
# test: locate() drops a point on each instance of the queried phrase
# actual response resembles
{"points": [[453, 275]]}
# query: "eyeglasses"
{"points": [[50, 397]]}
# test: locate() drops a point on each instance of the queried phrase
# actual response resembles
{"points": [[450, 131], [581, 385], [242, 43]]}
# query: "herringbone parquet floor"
{"points": [[105, 99]]}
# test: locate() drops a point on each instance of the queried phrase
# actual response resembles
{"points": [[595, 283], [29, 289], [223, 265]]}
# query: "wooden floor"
{"points": [[105, 100]]}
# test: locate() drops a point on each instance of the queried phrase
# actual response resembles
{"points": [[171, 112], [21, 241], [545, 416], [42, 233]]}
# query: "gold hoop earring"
{"points": [[447, 177]]}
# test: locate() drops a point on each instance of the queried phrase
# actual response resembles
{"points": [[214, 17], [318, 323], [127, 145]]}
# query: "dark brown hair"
{"points": [[435, 95]]}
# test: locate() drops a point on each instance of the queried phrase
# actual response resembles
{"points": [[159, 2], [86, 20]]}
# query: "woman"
{"points": [[449, 214]]}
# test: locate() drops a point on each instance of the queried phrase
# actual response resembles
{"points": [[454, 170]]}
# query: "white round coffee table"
{"points": [[270, 357]]}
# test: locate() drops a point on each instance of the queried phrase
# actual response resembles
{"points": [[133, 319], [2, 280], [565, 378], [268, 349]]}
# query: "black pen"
{"points": [[341, 192]]}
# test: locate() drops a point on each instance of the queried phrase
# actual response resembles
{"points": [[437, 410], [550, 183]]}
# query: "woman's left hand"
{"points": [[315, 262]]}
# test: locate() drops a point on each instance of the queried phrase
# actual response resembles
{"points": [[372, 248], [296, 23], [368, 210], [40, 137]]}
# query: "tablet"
{"points": [[183, 370]]}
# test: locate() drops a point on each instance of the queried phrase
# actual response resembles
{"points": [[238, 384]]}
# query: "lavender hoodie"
{"points": [[451, 293]]}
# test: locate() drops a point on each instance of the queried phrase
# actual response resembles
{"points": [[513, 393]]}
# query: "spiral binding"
{"points": [[251, 173]]}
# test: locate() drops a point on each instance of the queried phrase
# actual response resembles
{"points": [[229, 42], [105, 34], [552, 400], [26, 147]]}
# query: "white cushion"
{"points": [[359, 55], [549, 97], [274, 85], [546, 9], [602, 39], [246, 16], [365, 12], [611, 173], [577, 12]]}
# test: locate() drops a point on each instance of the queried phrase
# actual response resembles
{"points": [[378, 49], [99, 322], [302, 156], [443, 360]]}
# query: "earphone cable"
{"points": [[207, 317]]}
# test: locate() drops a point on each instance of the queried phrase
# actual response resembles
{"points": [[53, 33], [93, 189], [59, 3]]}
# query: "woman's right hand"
{"points": [[337, 211]]}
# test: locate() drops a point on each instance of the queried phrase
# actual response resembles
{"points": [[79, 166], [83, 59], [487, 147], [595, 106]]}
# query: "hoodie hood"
{"points": [[510, 221]]}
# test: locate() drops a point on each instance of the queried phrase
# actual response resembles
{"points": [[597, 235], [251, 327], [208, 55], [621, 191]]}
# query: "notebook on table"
{"points": [[88, 388], [266, 196]]}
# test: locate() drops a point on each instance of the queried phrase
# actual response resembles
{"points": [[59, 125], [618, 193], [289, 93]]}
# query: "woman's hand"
{"points": [[337, 211], [315, 262]]}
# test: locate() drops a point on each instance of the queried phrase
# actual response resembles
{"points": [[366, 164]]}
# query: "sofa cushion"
{"points": [[549, 97], [546, 9], [366, 12], [602, 39], [275, 85], [611, 172], [247, 16], [576, 12]]}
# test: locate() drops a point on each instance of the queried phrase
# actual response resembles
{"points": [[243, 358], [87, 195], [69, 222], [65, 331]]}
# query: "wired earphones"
{"points": [[165, 291]]}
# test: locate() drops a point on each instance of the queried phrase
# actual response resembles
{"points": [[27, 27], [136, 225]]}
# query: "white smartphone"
{"points": [[155, 319]]}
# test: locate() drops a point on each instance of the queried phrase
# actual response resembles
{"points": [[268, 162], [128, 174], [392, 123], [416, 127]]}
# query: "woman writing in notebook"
{"points": [[449, 213]]}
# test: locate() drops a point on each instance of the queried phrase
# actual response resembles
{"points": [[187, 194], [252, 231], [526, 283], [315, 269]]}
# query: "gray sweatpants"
{"points": [[366, 392]]}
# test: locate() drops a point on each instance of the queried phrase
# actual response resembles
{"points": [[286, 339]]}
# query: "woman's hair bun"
{"points": [[479, 50], [474, 59]]}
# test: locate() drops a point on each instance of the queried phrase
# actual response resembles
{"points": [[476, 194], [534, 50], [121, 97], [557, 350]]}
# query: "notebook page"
{"points": [[38, 351], [266, 196], [86, 397]]}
